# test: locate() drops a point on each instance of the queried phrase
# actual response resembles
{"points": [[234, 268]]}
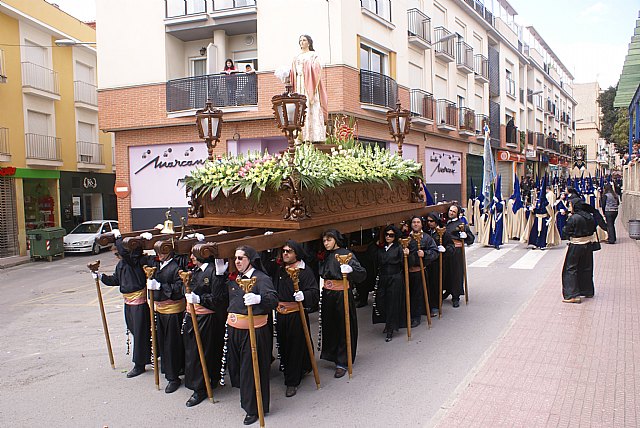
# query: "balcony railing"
{"points": [[447, 113], [530, 96], [539, 140], [231, 4], [538, 101], [549, 107], [419, 25], [479, 7], [4, 141], [530, 137], [481, 121], [512, 135], [3, 70], [42, 147], [511, 87], [382, 8], [422, 104], [378, 89], [89, 152], [467, 120], [85, 93], [464, 57], [224, 90], [521, 96], [39, 77], [481, 67], [444, 48]]}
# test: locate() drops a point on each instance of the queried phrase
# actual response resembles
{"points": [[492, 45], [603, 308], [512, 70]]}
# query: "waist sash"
{"points": [[241, 321], [135, 298], [285, 308], [582, 240], [171, 306], [200, 310]]}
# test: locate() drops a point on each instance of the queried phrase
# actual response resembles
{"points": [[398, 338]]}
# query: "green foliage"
{"points": [[609, 114], [620, 134]]}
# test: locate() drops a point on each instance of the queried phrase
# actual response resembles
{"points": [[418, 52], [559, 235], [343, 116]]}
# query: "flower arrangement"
{"points": [[255, 173]]}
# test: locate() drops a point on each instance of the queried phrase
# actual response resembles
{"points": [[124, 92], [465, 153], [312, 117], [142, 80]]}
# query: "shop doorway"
{"points": [[92, 207], [8, 219]]}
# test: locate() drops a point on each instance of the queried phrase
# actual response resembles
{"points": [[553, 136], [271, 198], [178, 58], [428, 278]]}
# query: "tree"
{"points": [[609, 114], [620, 134]]}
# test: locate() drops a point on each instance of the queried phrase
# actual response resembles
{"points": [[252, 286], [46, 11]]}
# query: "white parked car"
{"points": [[82, 239]]}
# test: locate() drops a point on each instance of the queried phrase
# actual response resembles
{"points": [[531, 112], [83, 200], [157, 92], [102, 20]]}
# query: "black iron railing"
{"points": [[224, 90], [447, 113], [421, 104], [539, 140], [530, 137], [378, 89], [419, 25], [467, 120]]}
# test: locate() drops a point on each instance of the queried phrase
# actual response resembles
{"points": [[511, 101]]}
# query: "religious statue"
{"points": [[306, 79]]}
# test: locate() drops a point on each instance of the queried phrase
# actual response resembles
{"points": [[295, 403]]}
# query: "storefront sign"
{"points": [[75, 201], [531, 154], [7, 171], [506, 156], [90, 183], [442, 167], [156, 173]]}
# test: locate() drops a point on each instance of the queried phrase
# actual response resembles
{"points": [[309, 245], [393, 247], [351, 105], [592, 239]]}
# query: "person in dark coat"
{"points": [[427, 251], [333, 334], [209, 299], [609, 203], [454, 273], [131, 279], [294, 355], [389, 290], [446, 248]]}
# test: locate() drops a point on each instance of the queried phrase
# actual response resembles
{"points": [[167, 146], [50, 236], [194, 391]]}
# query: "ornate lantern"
{"points": [[290, 111], [209, 123], [399, 124]]}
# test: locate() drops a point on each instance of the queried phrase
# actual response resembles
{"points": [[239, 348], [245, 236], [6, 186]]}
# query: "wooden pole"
{"points": [[186, 280], [149, 272], [93, 267], [464, 264], [247, 285], [347, 322], [440, 231], [405, 243], [417, 236], [294, 273]]}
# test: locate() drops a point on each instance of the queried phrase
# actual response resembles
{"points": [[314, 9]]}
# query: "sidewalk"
{"points": [[560, 364]]}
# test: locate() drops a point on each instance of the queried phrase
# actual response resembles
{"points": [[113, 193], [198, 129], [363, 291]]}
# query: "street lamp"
{"points": [[209, 123], [399, 124], [69, 42]]}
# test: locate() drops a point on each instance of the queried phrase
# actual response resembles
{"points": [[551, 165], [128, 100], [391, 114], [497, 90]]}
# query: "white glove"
{"points": [[298, 296], [496, 199], [159, 226], [346, 269], [146, 235], [563, 212], [463, 235], [252, 299], [222, 232], [192, 298], [268, 232], [153, 284], [441, 249], [221, 266], [96, 275], [116, 233], [199, 237]]}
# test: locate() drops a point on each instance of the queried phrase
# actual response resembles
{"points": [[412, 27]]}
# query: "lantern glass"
{"points": [[404, 124], [204, 128], [215, 124], [291, 114], [394, 124]]}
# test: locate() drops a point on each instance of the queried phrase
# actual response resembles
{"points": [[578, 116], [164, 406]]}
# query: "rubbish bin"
{"points": [[47, 242], [634, 229]]}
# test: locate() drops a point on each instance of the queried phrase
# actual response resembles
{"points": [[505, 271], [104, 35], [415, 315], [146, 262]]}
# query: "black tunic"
{"points": [[433, 269], [454, 273], [334, 342], [577, 272], [390, 294], [428, 245]]}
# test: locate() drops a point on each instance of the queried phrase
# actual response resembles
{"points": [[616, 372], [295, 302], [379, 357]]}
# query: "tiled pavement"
{"points": [[565, 365]]}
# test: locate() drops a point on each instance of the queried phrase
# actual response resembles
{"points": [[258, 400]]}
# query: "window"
{"points": [[84, 73], [38, 123], [372, 60], [382, 8], [86, 132], [198, 67]]}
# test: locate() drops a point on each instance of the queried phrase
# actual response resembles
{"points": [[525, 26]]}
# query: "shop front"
{"points": [[8, 213], [443, 174], [509, 165], [86, 196]]}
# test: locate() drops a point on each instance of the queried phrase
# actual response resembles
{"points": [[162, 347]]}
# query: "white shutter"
{"points": [[84, 73], [35, 54], [85, 132], [416, 77], [505, 169], [38, 123]]}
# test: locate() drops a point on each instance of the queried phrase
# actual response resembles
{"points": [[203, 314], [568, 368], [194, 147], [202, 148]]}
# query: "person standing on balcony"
{"points": [[306, 79], [230, 81]]}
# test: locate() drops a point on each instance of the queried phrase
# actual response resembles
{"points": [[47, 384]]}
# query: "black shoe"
{"points": [[136, 371], [250, 419], [456, 303], [445, 295], [291, 391], [389, 337], [339, 372], [197, 398], [172, 386], [415, 322]]}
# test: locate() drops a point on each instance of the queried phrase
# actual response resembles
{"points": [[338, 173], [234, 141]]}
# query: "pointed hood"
{"points": [[517, 197], [428, 195], [542, 203], [498, 192]]}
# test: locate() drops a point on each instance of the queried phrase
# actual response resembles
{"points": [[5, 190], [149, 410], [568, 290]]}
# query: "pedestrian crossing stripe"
{"points": [[529, 260], [492, 256]]}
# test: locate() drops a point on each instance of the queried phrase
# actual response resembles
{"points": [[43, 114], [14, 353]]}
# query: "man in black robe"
{"points": [[131, 279], [389, 291], [294, 356], [209, 299], [454, 273], [263, 298], [334, 342], [445, 248], [427, 251]]}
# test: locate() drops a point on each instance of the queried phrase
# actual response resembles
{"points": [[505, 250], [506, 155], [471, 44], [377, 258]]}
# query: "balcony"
{"points": [[419, 29], [530, 96], [530, 138], [3, 70], [549, 111], [552, 145], [480, 9], [512, 136], [43, 150], [40, 81], [539, 141], [510, 87], [464, 58], [444, 44], [85, 95], [190, 20], [378, 89], [480, 122], [538, 102], [446, 115], [89, 155], [224, 90], [421, 107], [467, 120], [380, 10], [521, 96], [5, 155], [481, 68]]}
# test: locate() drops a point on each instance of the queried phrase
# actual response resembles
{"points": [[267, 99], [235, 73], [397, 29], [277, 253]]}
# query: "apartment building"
{"points": [[457, 65], [598, 155], [56, 167]]}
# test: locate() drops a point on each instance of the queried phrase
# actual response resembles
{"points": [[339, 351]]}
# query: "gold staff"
{"points": [[294, 273], [417, 236], [247, 285], [186, 280], [149, 272], [93, 267], [405, 244], [347, 322]]}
